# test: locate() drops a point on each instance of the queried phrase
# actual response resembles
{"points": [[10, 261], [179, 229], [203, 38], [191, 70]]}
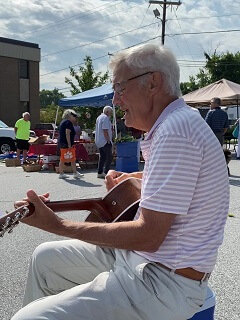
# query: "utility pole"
{"points": [[164, 5]]}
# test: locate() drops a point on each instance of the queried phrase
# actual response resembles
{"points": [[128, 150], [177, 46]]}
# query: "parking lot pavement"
{"points": [[16, 248]]}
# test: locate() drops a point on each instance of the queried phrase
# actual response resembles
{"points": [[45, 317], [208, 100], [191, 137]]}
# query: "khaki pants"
{"points": [[74, 280]]}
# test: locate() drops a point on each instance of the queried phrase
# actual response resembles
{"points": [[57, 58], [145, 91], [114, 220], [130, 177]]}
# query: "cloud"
{"points": [[67, 31]]}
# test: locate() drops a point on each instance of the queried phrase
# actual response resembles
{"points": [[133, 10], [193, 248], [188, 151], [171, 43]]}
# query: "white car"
{"points": [[8, 138]]}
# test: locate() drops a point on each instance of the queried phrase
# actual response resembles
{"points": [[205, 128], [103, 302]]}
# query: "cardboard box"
{"points": [[34, 167], [47, 159], [39, 140], [12, 162]]}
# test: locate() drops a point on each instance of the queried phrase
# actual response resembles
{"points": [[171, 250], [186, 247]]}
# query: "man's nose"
{"points": [[117, 99]]}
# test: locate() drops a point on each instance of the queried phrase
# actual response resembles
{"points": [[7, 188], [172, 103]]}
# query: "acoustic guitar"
{"points": [[119, 204]]}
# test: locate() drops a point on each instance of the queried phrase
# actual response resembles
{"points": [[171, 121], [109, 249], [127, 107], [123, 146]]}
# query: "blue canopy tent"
{"points": [[97, 97]]}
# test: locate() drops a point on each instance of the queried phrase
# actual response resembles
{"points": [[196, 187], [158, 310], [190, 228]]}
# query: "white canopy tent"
{"points": [[227, 91]]}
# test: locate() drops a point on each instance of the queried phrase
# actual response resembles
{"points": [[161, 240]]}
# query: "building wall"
{"points": [[19, 94], [9, 90], [34, 92]]}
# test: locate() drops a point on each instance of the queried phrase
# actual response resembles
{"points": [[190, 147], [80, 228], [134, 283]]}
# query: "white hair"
{"points": [[107, 109], [67, 113], [151, 57], [25, 113]]}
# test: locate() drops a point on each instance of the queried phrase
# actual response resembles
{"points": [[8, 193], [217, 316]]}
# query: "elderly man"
{"points": [[22, 132], [103, 140], [217, 119], [156, 266]]}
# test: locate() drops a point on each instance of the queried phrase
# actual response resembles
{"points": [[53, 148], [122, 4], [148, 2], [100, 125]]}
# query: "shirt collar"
{"points": [[179, 103]]}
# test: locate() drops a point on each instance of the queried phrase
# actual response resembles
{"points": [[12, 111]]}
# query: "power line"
{"points": [[207, 17], [205, 32], [182, 33], [169, 35], [141, 23], [45, 74], [164, 4], [79, 15], [176, 43], [93, 42], [154, 38], [76, 25]]}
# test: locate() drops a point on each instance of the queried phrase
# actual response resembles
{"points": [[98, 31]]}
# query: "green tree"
{"points": [[189, 86], [224, 65], [48, 114], [49, 97], [218, 66], [85, 79]]}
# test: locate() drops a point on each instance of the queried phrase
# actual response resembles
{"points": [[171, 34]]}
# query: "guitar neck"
{"points": [[94, 204], [71, 205], [9, 221], [119, 204]]}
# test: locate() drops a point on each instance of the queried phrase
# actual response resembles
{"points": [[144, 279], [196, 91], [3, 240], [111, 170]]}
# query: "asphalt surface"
{"points": [[16, 248]]}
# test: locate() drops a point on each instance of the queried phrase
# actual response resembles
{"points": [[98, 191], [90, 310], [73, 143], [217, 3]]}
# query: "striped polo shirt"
{"points": [[185, 174]]}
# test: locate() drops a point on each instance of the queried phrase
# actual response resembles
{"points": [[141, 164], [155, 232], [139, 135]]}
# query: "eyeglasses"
{"points": [[118, 86]]}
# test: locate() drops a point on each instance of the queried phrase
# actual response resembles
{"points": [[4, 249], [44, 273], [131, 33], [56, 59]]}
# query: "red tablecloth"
{"points": [[48, 149]]}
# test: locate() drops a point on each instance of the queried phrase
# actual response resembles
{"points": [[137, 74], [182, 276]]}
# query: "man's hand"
{"points": [[44, 197], [114, 177], [43, 217]]}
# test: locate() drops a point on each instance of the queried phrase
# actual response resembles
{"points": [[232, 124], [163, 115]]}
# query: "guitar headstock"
{"points": [[11, 220]]}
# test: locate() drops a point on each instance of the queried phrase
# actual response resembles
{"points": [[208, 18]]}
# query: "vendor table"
{"points": [[48, 149]]}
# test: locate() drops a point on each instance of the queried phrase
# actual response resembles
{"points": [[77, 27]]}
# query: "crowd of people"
{"points": [[156, 266], [70, 132]]}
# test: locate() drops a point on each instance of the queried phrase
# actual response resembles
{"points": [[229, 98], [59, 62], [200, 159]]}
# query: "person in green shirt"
{"points": [[22, 131]]}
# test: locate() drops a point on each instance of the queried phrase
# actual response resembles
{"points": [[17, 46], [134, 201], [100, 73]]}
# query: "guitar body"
{"points": [[119, 204]]}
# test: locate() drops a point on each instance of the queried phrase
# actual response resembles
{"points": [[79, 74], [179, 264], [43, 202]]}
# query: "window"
{"points": [[24, 107], [23, 69]]}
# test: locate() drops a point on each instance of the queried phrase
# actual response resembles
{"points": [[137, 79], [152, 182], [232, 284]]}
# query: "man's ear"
{"points": [[156, 82]]}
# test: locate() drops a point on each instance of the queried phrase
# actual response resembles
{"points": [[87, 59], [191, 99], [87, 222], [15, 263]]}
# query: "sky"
{"points": [[67, 31]]}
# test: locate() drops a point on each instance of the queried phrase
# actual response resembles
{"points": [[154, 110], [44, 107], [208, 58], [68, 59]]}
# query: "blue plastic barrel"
{"points": [[207, 310], [127, 164]]}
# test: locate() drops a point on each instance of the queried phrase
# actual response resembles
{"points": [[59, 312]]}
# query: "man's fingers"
{"points": [[110, 184], [34, 198], [21, 203], [44, 197]]}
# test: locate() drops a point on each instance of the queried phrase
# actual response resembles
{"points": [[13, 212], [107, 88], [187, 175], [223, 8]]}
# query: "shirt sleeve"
{"points": [[17, 124], [106, 124], [69, 125]]}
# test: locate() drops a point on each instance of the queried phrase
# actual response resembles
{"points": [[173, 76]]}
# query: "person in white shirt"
{"points": [[156, 266], [103, 140]]}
